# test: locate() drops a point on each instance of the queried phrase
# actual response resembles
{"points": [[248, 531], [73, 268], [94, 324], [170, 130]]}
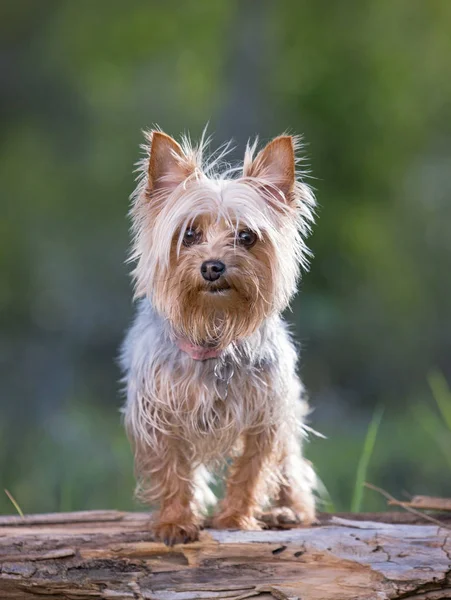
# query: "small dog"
{"points": [[209, 364]]}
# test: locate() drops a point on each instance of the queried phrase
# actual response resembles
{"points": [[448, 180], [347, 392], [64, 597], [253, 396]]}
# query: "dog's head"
{"points": [[218, 252]]}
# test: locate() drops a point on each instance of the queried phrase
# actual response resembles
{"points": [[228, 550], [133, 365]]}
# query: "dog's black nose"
{"points": [[212, 269]]}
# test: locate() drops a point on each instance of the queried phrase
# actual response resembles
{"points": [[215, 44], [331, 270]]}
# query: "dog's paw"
{"points": [[285, 516], [236, 521], [172, 533]]}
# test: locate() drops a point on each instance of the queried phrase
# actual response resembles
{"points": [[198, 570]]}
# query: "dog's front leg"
{"points": [[166, 478], [246, 483]]}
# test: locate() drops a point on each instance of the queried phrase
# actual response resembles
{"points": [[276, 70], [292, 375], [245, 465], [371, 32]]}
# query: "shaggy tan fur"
{"points": [[183, 417]]}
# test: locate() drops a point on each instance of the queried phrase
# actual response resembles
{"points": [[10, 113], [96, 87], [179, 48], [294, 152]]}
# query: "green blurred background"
{"points": [[367, 83]]}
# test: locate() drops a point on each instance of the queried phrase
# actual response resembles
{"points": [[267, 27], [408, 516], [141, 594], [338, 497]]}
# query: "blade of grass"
{"points": [[365, 458], [431, 423], [442, 395], [325, 499], [14, 503]]}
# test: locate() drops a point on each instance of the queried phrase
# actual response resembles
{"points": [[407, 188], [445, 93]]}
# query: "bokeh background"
{"points": [[367, 83]]}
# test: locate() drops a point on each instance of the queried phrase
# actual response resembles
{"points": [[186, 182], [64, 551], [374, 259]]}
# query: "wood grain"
{"points": [[111, 555]]}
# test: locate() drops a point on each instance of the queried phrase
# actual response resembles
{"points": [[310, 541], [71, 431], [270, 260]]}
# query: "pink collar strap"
{"points": [[197, 352]]}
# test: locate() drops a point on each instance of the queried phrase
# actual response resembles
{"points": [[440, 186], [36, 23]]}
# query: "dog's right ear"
{"points": [[168, 166]]}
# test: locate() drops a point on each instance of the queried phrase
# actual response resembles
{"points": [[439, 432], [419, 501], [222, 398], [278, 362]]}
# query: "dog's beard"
{"points": [[214, 314]]}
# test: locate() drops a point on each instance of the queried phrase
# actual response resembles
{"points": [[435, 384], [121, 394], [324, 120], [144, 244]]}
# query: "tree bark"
{"points": [[111, 555]]}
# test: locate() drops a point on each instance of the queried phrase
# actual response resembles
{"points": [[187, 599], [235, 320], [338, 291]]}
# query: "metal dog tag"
{"points": [[223, 373]]}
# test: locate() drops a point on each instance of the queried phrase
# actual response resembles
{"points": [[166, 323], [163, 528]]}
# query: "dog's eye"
{"points": [[191, 236], [247, 238]]}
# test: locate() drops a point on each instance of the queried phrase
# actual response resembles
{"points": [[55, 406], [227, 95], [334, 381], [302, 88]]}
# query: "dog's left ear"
{"points": [[275, 165]]}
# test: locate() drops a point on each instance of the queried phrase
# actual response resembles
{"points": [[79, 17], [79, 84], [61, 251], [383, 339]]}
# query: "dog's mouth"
{"points": [[220, 289]]}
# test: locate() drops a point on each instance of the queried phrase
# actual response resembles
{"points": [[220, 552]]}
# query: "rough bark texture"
{"points": [[112, 555]]}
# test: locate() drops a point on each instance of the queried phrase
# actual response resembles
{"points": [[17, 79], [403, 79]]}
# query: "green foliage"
{"points": [[442, 395], [438, 426], [366, 82], [365, 458]]}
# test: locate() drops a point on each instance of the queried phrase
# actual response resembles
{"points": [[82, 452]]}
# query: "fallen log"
{"points": [[111, 555]]}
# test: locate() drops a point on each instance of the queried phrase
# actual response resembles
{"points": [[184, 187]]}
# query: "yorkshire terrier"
{"points": [[209, 363]]}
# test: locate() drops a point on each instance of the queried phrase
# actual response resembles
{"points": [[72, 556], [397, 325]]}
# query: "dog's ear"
{"points": [[275, 165], [168, 166]]}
